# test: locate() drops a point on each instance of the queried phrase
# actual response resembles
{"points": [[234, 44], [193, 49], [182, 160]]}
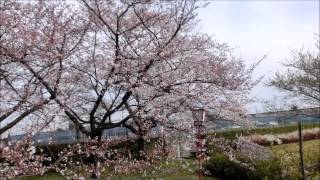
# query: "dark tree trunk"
{"points": [[93, 160], [78, 138], [301, 151], [141, 147], [97, 134]]}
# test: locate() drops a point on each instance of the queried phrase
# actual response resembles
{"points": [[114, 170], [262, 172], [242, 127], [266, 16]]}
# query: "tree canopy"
{"points": [[106, 64], [302, 77]]}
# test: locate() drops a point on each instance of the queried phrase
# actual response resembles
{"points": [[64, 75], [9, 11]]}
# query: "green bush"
{"points": [[221, 167]]}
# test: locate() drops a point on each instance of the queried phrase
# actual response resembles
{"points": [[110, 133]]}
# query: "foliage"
{"points": [[220, 166], [288, 155], [238, 159], [21, 159], [283, 164], [302, 76]]}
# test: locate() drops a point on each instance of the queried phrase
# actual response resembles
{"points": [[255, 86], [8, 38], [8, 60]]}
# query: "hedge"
{"points": [[221, 167]]}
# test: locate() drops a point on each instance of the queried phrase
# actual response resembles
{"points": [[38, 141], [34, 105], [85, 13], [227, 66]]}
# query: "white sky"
{"points": [[258, 28]]}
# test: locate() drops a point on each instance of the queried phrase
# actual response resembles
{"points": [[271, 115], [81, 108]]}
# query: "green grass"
{"points": [[169, 177], [47, 176], [288, 154], [166, 170]]}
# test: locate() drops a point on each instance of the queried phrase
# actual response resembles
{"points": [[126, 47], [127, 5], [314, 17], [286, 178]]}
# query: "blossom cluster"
{"points": [[239, 149], [21, 159], [76, 161]]}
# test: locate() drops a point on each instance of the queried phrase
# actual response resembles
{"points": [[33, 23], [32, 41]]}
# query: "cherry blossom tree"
{"points": [[132, 64], [36, 39], [21, 93], [302, 76], [154, 64], [106, 64]]}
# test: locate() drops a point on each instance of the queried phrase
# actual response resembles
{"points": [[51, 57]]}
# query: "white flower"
{"points": [[33, 150], [278, 141]]}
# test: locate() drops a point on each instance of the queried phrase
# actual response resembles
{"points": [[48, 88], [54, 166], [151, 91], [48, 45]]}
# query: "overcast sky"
{"points": [[258, 28]]}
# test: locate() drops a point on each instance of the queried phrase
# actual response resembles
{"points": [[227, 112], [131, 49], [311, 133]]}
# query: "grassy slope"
{"points": [[289, 155]]}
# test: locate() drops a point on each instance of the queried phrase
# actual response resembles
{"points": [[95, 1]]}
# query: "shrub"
{"points": [[220, 166]]}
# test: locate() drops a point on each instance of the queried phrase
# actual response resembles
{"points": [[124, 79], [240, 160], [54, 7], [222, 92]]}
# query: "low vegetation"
{"points": [[284, 162], [166, 170], [222, 167], [288, 154]]}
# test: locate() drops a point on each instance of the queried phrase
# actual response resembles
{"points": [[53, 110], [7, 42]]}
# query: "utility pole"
{"points": [[199, 118], [295, 109]]}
